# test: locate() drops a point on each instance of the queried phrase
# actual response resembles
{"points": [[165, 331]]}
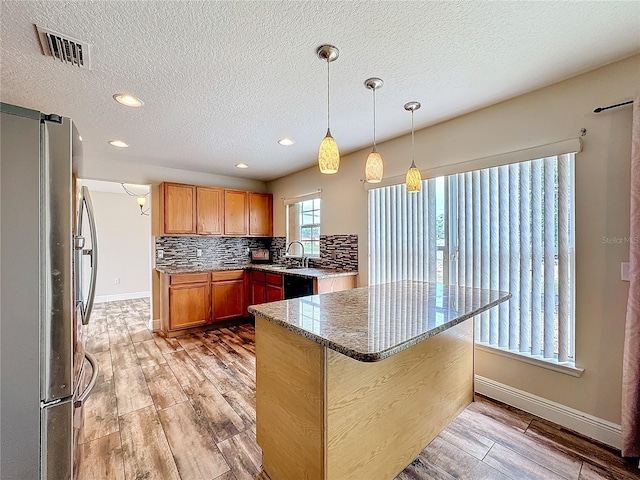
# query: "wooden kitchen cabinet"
{"points": [[265, 287], [178, 208], [236, 212], [209, 211], [190, 210], [257, 287], [260, 214], [274, 287], [185, 301], [227, 295]]}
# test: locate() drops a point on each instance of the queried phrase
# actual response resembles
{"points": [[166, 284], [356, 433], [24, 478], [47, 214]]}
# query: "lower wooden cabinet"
{"points": [[265, 287], [196, 300], [274, 287], [188, 306], [199, 300], [227, 295]]}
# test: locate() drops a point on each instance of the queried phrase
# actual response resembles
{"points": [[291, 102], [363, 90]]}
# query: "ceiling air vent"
{"points": [[64, 48]]}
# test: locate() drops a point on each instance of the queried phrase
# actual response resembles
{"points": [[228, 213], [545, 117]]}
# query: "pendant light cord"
{"points": [[413, 146], [328, 94], [374, 118]]}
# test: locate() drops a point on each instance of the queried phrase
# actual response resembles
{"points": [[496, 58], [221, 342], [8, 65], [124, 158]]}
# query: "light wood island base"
{"points": [[324, 416]]}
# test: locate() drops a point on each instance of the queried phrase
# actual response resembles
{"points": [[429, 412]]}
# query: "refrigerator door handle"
{"points": [[94, 376], [93, 252]]}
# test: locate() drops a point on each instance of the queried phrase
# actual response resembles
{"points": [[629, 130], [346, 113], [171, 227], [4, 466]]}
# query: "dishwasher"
{"points": [[295, 286]]}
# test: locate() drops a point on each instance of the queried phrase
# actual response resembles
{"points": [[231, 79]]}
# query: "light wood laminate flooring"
{"points": [[184, 409]]}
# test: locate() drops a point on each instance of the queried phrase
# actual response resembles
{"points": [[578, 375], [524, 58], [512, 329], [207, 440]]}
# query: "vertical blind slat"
{"points": [[549, 256], [485, 247], [536, 257], [494, 239], [563, 257], [514, 263], [525, 257], [503, 309]]}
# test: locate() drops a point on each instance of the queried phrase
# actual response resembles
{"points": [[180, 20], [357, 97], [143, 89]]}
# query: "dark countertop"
{"points": [[372, 323], [271, 268]]}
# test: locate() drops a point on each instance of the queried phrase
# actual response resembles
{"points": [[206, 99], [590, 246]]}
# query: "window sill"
{"points": [[568, 368]]}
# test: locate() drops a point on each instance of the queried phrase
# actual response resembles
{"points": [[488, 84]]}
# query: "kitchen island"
{"points": [[354, 384]]}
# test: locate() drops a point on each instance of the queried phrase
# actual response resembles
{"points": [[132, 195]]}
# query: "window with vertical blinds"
{"points": [[504, 228]]}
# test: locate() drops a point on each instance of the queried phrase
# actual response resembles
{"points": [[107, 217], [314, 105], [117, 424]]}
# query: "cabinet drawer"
{"points": [[189, 278], [256, 276], [227, 275], [274, 279]]}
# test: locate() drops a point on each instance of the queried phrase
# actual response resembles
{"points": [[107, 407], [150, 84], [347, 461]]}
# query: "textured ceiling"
{"points": [[223, 81]]}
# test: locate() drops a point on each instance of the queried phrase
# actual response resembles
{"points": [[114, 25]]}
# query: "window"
{"points": [[303, 224], [505, 228]]}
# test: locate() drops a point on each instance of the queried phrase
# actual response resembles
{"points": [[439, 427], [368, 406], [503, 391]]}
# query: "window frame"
{"points": [[450, 259], [297, 203]]}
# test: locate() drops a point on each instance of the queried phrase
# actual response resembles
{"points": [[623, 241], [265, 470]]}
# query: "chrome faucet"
{"points": [[304, 261]]}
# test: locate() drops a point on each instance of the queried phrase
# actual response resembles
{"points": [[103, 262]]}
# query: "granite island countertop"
{"points": [[271, 268], [372, 323]]}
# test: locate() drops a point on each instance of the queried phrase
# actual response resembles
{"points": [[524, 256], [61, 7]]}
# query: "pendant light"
{"points": [[414, 179], [328, 154], [374, 166]]}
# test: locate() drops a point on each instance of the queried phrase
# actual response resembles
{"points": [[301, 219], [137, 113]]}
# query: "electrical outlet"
{"points": [[116, 280], [624, 271], [160, 254], [198, 252]]}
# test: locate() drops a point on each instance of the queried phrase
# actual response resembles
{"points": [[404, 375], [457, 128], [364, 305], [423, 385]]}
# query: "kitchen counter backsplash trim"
{"points": [[337, 252]]}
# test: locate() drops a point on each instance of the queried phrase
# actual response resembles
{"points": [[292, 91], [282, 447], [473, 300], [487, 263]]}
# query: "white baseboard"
{"points": [[155, 325], [121, 296], [583, 423]]}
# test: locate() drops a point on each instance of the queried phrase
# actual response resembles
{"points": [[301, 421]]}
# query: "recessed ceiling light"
{"points": [[128, 100], [118, 143], [242, 165], [286, 142]]}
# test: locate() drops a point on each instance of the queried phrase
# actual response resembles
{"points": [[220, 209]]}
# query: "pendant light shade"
{"points": [[414, 179], [328, 153], [374, 167]]}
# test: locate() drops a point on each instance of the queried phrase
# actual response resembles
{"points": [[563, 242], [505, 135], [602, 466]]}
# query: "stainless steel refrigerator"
{"points": [[48, 261]]}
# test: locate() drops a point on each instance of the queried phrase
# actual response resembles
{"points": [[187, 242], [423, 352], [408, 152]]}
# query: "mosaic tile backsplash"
{"points": [[336, 251]]}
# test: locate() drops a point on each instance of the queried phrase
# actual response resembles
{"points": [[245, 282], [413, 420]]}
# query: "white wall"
{"points": [[124, 243], [551, 114]]}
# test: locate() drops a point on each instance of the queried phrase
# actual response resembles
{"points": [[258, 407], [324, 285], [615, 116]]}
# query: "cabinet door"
{"points": [[179, 208], [227, 299], [274, 293], [236, 209], [210, 211], [260, 214], [258, 293], [188, 305]]}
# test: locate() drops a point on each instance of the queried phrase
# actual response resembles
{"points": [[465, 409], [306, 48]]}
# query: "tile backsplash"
{"points": [[336, 251], [180, 252]]}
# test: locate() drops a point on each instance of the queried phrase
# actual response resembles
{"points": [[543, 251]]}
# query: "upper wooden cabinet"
{"points": [[191, 210], [210, 211], [178, 205], [236, 218], [260, 214]]}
